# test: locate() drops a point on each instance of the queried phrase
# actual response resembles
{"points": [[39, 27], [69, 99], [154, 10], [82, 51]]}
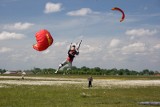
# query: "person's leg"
{"points": [[89, 85], [69, 67], [23, 77], [61, 65]]}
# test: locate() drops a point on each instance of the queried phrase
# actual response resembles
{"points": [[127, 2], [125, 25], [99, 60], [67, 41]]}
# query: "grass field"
{"points": [[75, 95]]}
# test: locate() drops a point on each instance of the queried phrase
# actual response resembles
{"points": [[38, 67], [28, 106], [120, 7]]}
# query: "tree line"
{"points": [[89, 71], [93, 71]]}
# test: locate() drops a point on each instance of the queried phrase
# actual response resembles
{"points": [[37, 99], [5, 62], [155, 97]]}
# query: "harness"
{"points": [[71, 55]]}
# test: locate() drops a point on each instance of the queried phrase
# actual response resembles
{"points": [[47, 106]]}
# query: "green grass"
{"points": [[75, 96]]}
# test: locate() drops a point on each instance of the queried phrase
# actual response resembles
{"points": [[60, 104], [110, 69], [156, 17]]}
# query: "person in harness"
{"points": [[72, 52]]}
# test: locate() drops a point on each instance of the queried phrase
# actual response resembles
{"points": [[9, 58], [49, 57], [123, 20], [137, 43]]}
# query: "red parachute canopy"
{"points": [[44, 40], [118, 9]]}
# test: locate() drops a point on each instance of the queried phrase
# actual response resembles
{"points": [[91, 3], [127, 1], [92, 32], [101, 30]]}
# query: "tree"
{"points": [[51, 71], [145, 72], [36, 70], [127, 72], [74, 68], [97, 70], [121, 72], [133, 72], [2, 71], [113, 71], [85, 70]]}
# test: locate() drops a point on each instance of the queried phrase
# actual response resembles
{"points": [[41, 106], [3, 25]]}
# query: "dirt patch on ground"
{"points": [[7, 80]]}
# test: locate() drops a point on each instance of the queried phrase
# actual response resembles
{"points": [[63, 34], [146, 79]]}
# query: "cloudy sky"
{"points": [[107, 43]]}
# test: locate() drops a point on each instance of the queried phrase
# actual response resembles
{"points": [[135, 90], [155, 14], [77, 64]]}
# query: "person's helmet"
{"points": [[73, 45]]}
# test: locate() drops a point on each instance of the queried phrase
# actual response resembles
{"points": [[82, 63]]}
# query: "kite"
{"points": [[118, 9], [44, 40]]}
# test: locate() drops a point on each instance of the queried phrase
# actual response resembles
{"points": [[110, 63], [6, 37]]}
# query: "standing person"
{"points": [[23, 74], [90, 79], [71, 54]]}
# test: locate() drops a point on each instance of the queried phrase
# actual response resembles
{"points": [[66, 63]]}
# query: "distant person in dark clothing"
{"points": [[90, 79]]}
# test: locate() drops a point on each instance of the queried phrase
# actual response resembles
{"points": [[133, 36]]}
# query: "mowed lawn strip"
{"points": [[76, 96]]}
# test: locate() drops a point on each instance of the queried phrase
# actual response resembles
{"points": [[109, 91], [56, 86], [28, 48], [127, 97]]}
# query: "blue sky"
{"points": [[133, 44]]}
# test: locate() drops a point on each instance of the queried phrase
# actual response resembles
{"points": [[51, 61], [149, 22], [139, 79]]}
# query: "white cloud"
{"points": [[52, 7], [18, 26], [60, 43], [140, 32], [114, 42], [5, 49], [157, 46], [134, 48], [10, 35], [46, 51], [80, 12], [85, 58], [86, 49]]}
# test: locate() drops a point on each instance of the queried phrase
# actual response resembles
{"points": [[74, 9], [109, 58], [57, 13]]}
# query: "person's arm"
{"points": [[77, 52], [70, 54], [68, 51], [70, 46], [79, 45]]}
